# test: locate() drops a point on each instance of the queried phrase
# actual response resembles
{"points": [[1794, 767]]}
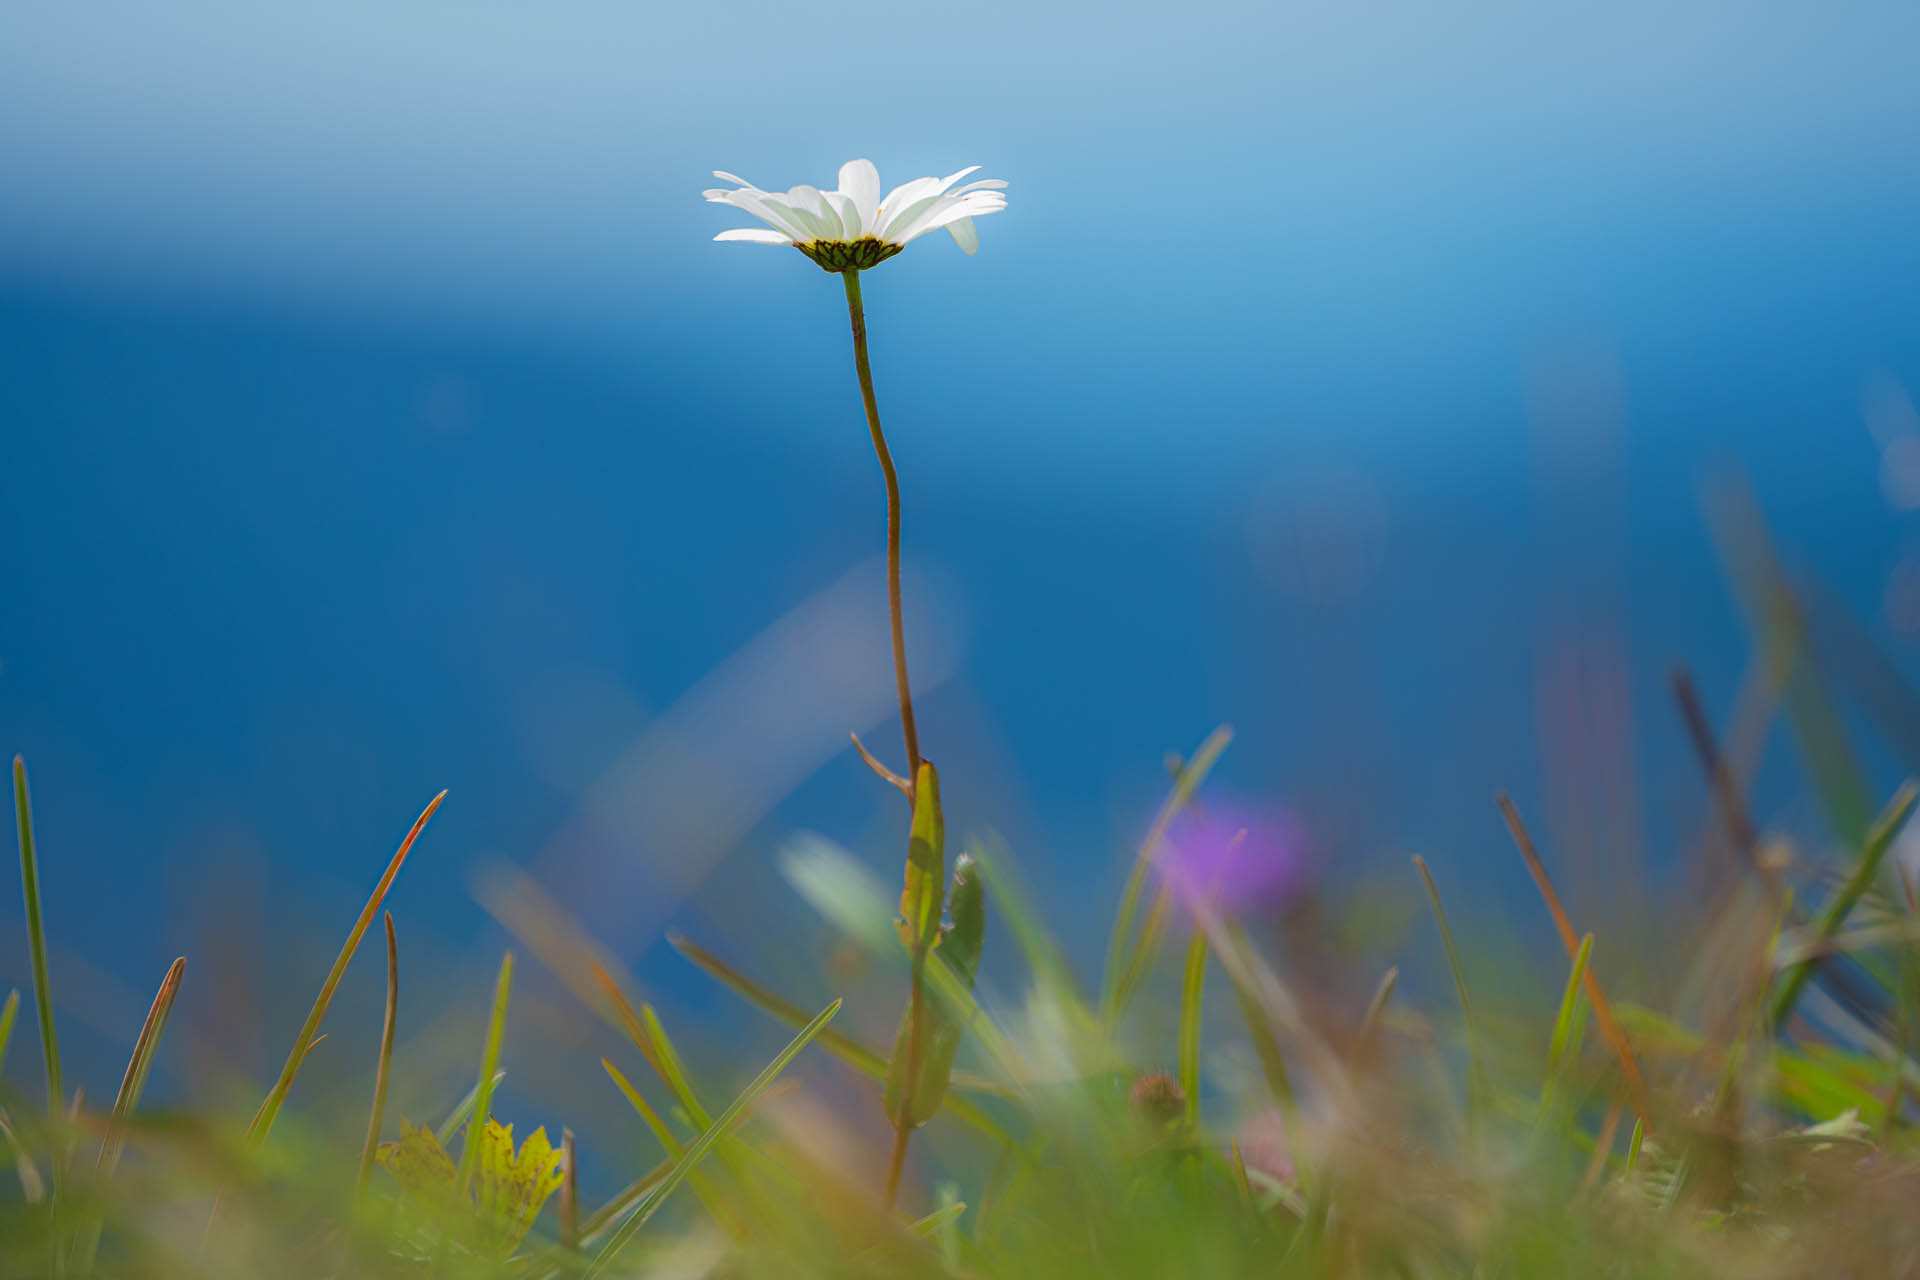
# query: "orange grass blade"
{"points": [[379, 1114], [1602, 1012], [270, 1109]]}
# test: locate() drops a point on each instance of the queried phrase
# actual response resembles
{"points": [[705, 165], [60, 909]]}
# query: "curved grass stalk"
{"points": [[638, 1216]]}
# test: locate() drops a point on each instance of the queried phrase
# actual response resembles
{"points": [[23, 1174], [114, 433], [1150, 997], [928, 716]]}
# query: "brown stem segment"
{"points": [[857, 314]]}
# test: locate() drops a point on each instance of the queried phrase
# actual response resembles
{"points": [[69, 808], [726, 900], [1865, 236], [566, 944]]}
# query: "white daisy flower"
{"points": [[851, 227]]}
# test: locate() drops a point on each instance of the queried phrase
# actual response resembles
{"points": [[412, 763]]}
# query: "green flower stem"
{"points": [[857, 314]]}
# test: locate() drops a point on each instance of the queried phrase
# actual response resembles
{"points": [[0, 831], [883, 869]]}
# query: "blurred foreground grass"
{"points": [[1761, 1123]]}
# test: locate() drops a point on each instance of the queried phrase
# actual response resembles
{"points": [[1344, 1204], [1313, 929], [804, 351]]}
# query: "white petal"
{"points": [[985, 184], [896, 224], [860, 180], [961, 229], [842, 207], [735, 179], [946, 213], [809, 211], [905, 194], [762, 206], [755, 235]]}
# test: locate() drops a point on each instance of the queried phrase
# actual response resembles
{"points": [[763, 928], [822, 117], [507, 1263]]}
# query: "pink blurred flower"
{"points": [[1263, 1147], [1233, 861]]}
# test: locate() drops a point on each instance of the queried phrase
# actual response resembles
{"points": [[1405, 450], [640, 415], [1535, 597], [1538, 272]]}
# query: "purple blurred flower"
{"points": [[1233, 860]]}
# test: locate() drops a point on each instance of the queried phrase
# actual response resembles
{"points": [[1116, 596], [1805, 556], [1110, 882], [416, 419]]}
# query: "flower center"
{"points": [[849, 255]]}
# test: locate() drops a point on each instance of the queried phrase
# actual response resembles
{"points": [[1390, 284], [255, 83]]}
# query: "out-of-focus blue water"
{"points": [[379, 418]]}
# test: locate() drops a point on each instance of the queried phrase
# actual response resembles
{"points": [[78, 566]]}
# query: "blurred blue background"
{"points": [[379, 418]]}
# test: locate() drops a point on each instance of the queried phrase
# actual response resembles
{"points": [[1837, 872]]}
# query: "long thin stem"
{"points": [[857, 314]]}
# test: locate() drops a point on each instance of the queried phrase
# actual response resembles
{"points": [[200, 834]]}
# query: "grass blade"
{"points": [[376, 1119], [1377, 1007], [850, 1051], [1192, 990], [709, 1195], [1873, 851], [644, 1028], [1475, 1079], [947, 1213], [8, 1012], [489, 1063], [1114, 993], [672, 1071], [1266, 1041], [145, 1047], [1563, 1026], [638, 1217], [37, 941], [270, 1109], [450, 1127], [645, 1109], [1602, 1012], [569, 1211], [1569, 999]]}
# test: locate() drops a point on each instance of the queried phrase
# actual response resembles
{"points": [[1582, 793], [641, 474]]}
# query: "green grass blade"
{"points": [[845, 1048], [270, 1109], [649, 1036], [1192, 991], [1475, 1082], [377, 1117], [450, 1127], [654, 1123], [709, 1195], [638, 1217], [672, 1071], [945, 1215], [1569, 1000], [1564, 1044], [850, 1051], [1013, 907], [1266, 1041], [37, 941], [1120, 943], [8, 1013], [489, 1063], [607, 1215], [1880, 838]]}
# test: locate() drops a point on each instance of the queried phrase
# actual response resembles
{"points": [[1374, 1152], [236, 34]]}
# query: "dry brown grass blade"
{"points": [[1602, 1011], [377, 1118], [569, 1195], [1726, 788]]}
